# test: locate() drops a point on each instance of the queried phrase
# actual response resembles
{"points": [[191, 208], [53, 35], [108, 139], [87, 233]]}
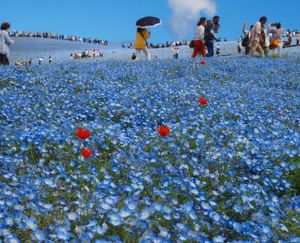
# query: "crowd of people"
{"points": [[265, 40], [87, 54], [203, 43], [258, 39], [159, 45], [29, 62], [290, 35], [58, 37]]}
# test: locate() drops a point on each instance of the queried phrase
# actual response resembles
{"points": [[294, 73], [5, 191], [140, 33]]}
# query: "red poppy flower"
{"points": [[203, 101], [202, 62], [86, 152], [163, 131], [83, 134]]}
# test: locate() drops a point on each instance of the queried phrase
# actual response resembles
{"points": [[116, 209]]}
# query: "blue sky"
{"points": [[114, 20]]}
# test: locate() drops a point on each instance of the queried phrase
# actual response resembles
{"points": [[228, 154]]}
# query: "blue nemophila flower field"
{"points": [[227, 171]]}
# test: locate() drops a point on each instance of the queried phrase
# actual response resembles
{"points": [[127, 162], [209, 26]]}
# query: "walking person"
{"points": [[257, 40], [247, 37], [176, 51], [239, 45], [297, 38], [40, 60], [276, 43], [265, 40], [5, 42], [199, 47], [141, 43], [218, 50], [290, 38], [211, 28]]}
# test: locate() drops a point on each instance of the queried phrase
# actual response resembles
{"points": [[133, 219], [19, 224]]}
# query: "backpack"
{"points": [[133, 57], [192, 44], [246, 41]]}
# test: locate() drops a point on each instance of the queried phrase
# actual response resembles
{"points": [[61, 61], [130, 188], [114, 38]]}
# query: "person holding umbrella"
{"points": [[143, 34], [141, 43]]}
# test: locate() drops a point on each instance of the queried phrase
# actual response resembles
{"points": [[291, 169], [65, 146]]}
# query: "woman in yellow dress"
{"points": [[141, 43]]}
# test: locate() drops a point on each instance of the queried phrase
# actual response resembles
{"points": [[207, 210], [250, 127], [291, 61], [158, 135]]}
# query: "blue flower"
{"points": [[145, 213], [115, 219], [62, 233], [219, 239], [131, 204], [72, 216], [39, 235], [31, 223]]}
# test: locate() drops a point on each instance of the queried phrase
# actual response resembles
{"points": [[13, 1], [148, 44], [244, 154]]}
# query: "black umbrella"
{"points": [[148, 22]]}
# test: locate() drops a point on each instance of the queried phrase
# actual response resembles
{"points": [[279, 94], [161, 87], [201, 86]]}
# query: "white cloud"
{"points": [[186, 12]]}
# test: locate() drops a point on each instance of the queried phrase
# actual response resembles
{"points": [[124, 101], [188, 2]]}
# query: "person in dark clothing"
{"points": [[290, 38], [3, 59], [211, 28], [247, 38]]}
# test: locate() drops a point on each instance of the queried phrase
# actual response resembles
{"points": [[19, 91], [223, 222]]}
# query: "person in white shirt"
{"points": [[199, 47], [176, 51], [258, 37], [40, 60], [276, 43], [5, 42]]}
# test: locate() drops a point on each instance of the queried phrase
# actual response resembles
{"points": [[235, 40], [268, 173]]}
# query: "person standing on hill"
{"points": [[5, 42], [218, 50], [211, 28], [247, 38], [199, 47], [239, 45], [258, 37], [276, 32], [297, 38], [141, 43], [290, 38]]}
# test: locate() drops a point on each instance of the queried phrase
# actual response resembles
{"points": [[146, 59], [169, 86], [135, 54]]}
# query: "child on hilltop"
{"points": [[218, 49], [40, 60], [175, 50], [297, 38]]}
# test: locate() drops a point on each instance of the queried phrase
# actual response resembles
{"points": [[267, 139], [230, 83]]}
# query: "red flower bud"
{"points": [[83, 134], [163, 131], [203, 101], [86, 153]]}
